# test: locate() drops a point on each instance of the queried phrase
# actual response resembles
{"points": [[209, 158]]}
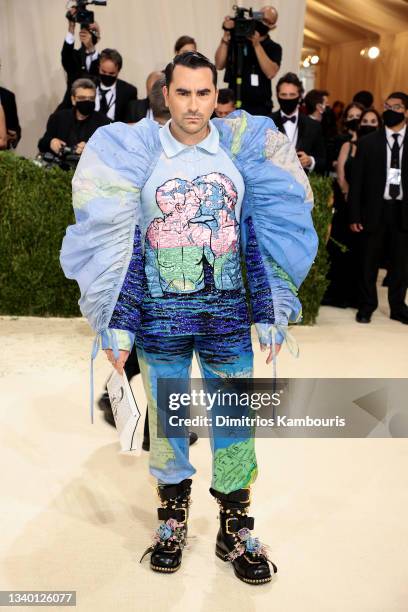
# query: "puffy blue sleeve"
{"points": [[278, 238], [102, 250]]}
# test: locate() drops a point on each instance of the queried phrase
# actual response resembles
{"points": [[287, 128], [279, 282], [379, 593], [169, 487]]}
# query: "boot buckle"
{"points": [[227, 527], [185, 514]]}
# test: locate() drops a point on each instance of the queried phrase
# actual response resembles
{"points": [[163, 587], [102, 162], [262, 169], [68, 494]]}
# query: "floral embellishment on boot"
{"points": [[247, 544], [170, 531]]}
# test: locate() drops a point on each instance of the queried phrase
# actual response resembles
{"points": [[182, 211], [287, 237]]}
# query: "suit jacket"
{"points": [[74, 64], [309, 138], [369, 177], [8, 102], [125, 93], [137, 110], [63, 125]]}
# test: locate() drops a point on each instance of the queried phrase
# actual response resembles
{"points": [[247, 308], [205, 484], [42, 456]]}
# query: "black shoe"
{"points": [[191, 435], [235, 542], [402, 317], [363, 317], [171, 535]]}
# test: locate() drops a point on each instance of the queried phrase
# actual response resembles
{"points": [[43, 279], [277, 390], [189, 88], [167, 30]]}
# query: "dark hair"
{"points": [[193, 60], [313, 98], [226, 95], [365, 98], [184, 40], [346, 110], [112, 55], [156, 99], [292, 79], [401, 96], [376, 113]]}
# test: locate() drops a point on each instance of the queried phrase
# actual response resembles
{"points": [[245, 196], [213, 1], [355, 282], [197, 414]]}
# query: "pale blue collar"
{"points": [[173, 147]]}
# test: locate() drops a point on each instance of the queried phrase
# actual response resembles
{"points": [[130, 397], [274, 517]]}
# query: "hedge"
{"points": [[35, 209]]}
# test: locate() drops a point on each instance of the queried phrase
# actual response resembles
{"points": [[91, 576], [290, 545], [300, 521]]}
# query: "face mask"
{"points": [[392, 118], [288, 106], [352, 124], [261, 28], [366, 129], [107, 79], [85, 107]]}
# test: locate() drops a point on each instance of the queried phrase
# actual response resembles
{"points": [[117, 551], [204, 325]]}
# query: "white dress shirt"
{"points": [[70, 40], [291, 129], [390, 143], [110, 100]]}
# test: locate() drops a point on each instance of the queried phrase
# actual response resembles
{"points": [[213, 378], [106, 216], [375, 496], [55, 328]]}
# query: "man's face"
{"points": [[83, 94], [223, 110], [288, 91], [397, 105], [108, 68], [191, 98]]}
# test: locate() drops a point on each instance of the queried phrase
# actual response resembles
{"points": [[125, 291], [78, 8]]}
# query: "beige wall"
{"points": [[344, 72], [144, 31]]}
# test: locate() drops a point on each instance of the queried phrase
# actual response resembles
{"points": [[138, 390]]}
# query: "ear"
{"points": [[166, 95], [72, 100], [216, 97]]}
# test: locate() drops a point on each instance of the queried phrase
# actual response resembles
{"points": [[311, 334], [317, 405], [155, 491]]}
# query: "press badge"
{"points": [[394, 176], [255, 80]]}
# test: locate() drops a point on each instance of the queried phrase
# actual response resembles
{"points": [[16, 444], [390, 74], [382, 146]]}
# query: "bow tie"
{"points": [[285, 119]]}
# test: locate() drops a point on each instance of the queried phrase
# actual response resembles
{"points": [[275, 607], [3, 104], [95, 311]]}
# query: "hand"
{"points": [[56, 144], [270, 356], [119, 363], [11, 136], [228, 23], [356, 227], [304, 159], [255, 39], [80, 147], [94, 27], [70, 15]]}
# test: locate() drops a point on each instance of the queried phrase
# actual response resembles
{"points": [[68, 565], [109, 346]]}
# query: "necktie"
{"points": [[103, 103], [285, 119], [395, 163]]}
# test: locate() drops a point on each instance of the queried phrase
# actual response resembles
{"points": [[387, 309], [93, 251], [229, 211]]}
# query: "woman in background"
{"points": [[184, 44]]}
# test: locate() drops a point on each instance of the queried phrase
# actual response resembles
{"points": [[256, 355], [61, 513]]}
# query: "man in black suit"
{"points": [[378, 199], [8, 103], [82, 62], [73, 127], [139, 109], [113, 94], [304, 133]]}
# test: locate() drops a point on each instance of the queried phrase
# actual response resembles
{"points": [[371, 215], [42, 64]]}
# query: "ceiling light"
{"points": [[373, 52], [315, 59], [306, 63]]}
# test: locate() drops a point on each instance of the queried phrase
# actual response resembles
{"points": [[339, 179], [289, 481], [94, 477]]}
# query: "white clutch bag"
{"points": [[128, 418]]}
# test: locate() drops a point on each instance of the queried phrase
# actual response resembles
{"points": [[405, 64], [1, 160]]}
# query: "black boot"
{"points": [[170, 537], [235, 542]]}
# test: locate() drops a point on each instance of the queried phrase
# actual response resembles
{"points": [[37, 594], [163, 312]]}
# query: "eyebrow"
{"points": [[182, 90]]}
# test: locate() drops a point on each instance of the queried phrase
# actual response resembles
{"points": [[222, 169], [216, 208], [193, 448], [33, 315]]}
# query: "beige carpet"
{"points": [[76, 515]]}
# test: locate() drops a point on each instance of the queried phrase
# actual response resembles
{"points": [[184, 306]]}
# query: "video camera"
{"points": [[245, 26], [82, 15], [67, 159]]}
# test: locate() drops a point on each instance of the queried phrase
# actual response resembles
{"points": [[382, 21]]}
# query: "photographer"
{"points": [[82, 62], [73, 127], [261, 61]]}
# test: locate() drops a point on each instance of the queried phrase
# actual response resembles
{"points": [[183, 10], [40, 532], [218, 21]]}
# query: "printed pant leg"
{"points": [[165, 357], [233, 449]]}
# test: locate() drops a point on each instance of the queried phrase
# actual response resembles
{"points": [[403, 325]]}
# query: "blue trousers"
{"points": [[220, 356]]}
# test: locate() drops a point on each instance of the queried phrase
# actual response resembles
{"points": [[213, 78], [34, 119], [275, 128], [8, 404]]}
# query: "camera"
{"points": [[245, 26], [82, 15]]}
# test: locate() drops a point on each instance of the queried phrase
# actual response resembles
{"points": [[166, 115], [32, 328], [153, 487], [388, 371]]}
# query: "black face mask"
{"points": [[85, 107], [392, 118], [107, 79], [366, 129], [288, 106], [352, 124], [261, 28]]}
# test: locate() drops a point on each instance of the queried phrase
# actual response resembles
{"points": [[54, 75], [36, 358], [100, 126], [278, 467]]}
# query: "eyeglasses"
{"points": [[394, 107], [85, 98]]}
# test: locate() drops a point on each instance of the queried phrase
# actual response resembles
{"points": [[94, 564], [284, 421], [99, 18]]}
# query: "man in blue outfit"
{"points": [[163, 219]]}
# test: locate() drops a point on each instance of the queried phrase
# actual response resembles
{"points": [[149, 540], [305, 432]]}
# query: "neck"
{"points": [[188, 139], [316, 115], [397, 128]]}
